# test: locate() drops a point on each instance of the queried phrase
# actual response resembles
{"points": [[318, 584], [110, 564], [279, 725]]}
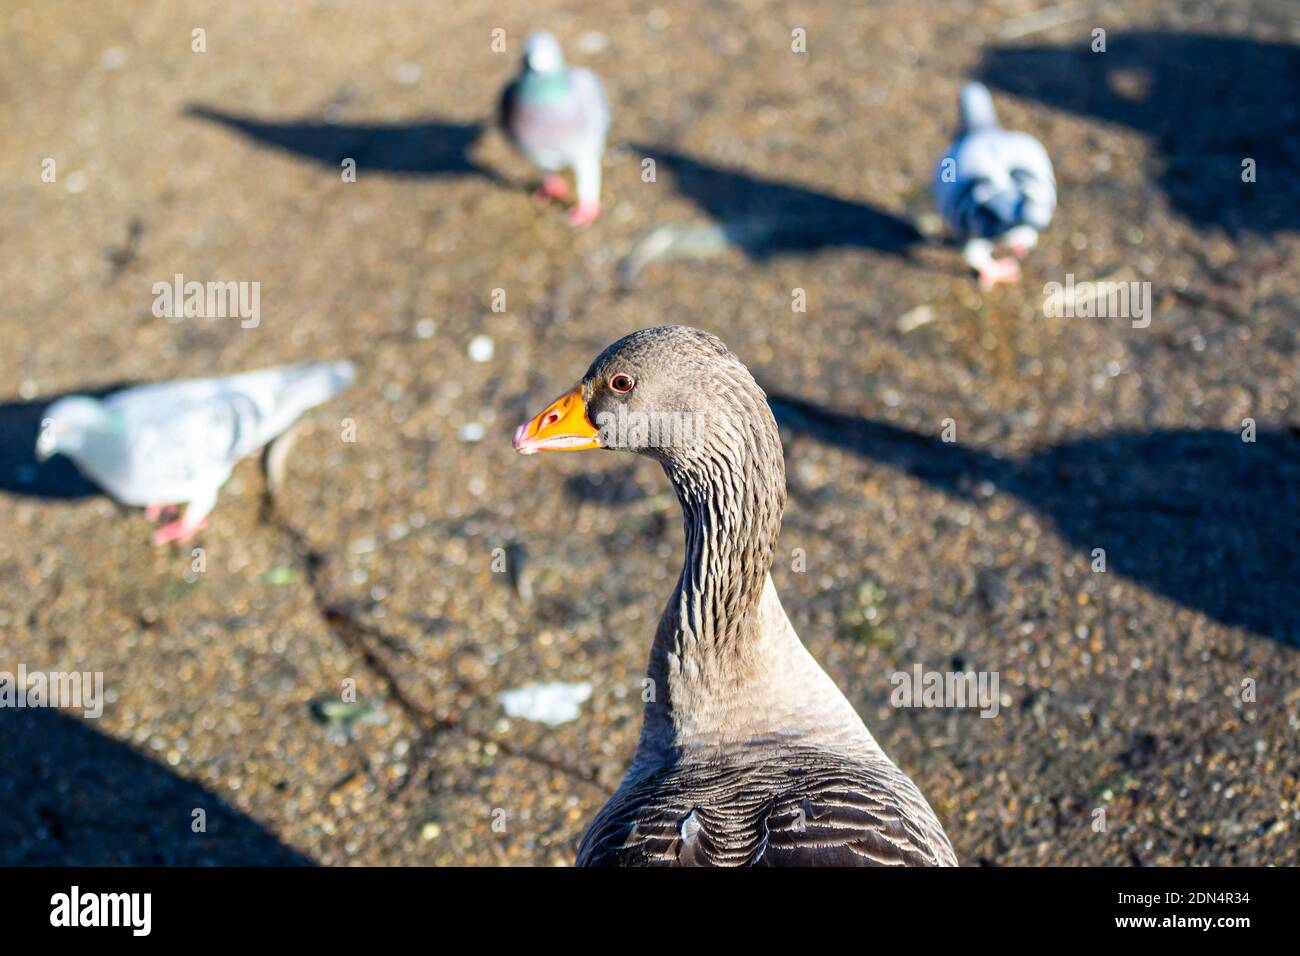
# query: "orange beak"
{"points": [[560, 426]]}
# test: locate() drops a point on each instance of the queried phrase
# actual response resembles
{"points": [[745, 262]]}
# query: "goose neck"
{"points": [[711, 642]]}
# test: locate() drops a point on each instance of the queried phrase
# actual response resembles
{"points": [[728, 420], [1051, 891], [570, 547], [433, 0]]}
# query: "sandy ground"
{"points": [[1161, 694]]}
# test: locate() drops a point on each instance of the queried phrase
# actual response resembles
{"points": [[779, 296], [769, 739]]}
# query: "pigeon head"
{"points": [[543, 54], [66, 423], [672, 393], [996, 207], [998, 210]]}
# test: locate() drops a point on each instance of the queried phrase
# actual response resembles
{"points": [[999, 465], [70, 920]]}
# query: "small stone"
{"points": [[921, 315], [992, 589], [408, 74], [482, 348], [592, 42], [929, 224]]}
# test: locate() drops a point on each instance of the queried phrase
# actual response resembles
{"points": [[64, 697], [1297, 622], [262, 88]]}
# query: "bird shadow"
{"points": [[75, 797], [1197, 515], [433, 147], [766, 217], [1208, 104], [614, 487], [20, 471]]}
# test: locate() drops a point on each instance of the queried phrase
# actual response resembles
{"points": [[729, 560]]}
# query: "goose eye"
{"points": [[621, 383]]}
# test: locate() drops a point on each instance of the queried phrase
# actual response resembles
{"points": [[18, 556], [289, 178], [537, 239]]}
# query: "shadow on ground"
{"points": [[613, 487], [429, 148], [1206, 102], [20, 472], [1199, 516], [74, 797], [766, 217]]}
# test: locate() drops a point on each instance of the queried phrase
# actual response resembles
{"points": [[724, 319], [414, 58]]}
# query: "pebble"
{"points": [[592, 42], [408, 74]]}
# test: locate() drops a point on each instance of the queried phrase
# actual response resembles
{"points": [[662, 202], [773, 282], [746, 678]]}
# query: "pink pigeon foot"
{"points": [[154, 512], [553, 188], [1019, 251], [178, 531], [584, 214], [999, 271]]}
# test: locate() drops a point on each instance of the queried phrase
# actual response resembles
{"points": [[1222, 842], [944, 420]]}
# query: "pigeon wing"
{"points": [[180, 439]]}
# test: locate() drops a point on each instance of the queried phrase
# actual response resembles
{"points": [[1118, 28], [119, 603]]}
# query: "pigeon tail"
{"points": [[314, 383], [977, 108], [301, 387]]}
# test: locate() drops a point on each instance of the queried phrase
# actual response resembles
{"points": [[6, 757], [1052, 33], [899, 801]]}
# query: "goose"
{"points": [[748, 754]]}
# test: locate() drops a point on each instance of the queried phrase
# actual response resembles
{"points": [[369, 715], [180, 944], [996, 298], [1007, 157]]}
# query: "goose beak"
{"points": [[560, 426]]}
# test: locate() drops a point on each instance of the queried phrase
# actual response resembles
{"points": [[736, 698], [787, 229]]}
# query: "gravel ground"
{"points": [[1120, 691]]}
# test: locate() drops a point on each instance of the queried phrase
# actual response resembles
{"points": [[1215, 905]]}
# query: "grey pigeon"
{"points": [[993, 186], [176, 442], [557, 116]]}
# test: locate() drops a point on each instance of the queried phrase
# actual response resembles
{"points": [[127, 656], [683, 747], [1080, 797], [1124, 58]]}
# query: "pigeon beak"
{"points": [[560, 426]]}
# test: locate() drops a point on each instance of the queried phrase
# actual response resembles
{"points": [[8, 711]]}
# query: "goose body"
{"points": [[749, 754]]}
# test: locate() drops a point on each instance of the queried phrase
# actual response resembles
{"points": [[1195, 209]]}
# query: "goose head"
{"points": [[678, 395], [672, 393]]}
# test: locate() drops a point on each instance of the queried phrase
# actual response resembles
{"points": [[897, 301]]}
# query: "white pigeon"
{"points": [[993, 186], [176, 443], [558, 116]]}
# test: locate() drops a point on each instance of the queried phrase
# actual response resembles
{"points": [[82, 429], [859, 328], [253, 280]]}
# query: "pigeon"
{"points": [[557, 116], [994, 186], [175, 443]]}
